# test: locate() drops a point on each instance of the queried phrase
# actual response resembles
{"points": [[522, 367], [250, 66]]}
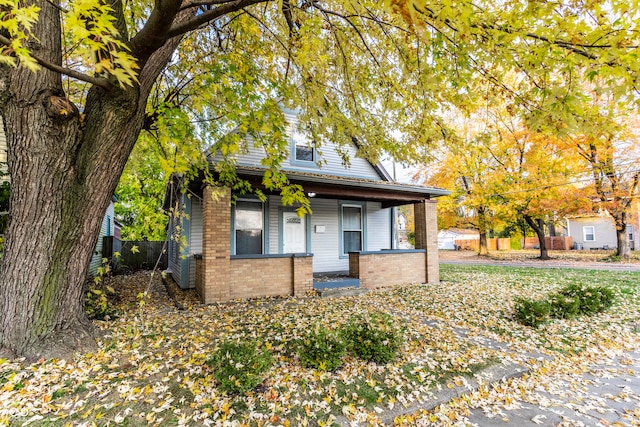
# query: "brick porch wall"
{"points": [[426, 223], [387, 268], [270, 276]]}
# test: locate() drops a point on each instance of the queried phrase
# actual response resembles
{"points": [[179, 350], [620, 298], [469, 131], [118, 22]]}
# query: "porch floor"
{"points": [[334, 280]]}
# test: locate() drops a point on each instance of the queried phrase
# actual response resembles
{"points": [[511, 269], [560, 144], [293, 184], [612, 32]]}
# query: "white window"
{"points": [[248, 227], [589, 233], [303, 149], [630, 231], [351, 229]]}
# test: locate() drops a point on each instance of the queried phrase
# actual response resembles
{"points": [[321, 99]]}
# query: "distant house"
{"points": [[236, 246], [447, 238], [598, 231]]}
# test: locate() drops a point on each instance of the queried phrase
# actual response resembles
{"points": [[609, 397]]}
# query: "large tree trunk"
{"points": [[538, 227], [64, 171]]}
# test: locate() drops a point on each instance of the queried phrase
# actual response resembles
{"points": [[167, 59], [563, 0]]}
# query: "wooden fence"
{"points": [[494, 244], [555, 243], [145, 257]]}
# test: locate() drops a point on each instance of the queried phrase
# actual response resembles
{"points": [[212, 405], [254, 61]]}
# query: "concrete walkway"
{"points": [[470, 258]]}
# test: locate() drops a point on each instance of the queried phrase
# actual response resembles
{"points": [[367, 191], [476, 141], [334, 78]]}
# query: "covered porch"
{"points": [[222, 275]]}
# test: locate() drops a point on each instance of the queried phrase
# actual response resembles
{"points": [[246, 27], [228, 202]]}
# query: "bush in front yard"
{"points": [[322, 349], [532, 312], [239, 367], [570, 301], [589, 299], [374, 337]]}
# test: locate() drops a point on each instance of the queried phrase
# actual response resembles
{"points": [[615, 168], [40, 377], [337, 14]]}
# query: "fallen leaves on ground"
{"points": [[150, 369]]}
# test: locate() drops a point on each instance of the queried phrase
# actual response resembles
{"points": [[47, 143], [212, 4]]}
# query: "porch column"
{"points": [[426, 223], [216, 246]]}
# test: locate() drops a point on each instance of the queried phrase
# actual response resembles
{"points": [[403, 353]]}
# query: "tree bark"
{"points": [[538, 227], [623, 249], [483, 229], [64, 171]]}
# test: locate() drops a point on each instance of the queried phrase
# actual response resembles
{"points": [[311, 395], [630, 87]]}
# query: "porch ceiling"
{"points": [[336, 187]]}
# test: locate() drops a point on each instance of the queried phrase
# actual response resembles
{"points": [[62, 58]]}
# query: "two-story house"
{"points": [[246, 248]]}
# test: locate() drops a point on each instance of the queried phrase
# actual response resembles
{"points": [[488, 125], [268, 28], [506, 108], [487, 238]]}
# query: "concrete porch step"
{"points": [[340, 292]]}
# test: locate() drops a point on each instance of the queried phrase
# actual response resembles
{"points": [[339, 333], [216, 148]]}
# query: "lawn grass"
{"points": [[158, 375]]}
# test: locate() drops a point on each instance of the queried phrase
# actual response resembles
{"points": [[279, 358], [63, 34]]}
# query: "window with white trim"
{"points": [[303, 149], [630, 231], [248, 228], [351, 228], [589, 233]]}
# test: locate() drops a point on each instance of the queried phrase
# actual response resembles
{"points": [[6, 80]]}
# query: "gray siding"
{"points": [[174, 257], [378, 227], [359, 167], [96, 259]]}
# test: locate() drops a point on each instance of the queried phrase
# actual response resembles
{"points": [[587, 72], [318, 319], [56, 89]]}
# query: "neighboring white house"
{"points": [[599, 231], [447, 238]]}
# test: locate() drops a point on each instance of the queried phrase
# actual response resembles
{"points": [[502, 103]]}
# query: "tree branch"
{"points": [[96, 81], [211, 15], [154, 34]]}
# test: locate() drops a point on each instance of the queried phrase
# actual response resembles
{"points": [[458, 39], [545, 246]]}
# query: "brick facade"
{"points": [[426, 223], [220, 277], [387, 268], [216, 251]]}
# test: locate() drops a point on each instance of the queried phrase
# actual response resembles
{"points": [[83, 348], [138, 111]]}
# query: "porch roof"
{"points": [[340, 187]]}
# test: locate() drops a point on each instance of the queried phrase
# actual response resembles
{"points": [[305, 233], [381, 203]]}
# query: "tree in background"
{"points": [[462, 167], [611, 151]]}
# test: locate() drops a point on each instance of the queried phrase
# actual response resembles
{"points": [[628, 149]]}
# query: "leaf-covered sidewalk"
{"points": [[150, 369]]}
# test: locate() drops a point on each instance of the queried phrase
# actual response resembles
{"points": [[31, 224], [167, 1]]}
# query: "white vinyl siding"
{"points": [[601, 228], [378, 227], [195, 241], [325, 245], [106, 229], [275, 202]]}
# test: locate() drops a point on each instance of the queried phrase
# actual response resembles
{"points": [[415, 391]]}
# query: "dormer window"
{"points": [[303, 149]]}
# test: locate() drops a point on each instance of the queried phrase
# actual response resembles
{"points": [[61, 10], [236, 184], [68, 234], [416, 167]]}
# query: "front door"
{"points": [[294, 233]]}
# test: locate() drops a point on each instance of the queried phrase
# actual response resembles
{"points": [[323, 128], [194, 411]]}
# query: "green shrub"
{"points": [[322, 349], [564, 306], [374, 337], [589, 299], [532, 312], [239, 367], [571, 301]]}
